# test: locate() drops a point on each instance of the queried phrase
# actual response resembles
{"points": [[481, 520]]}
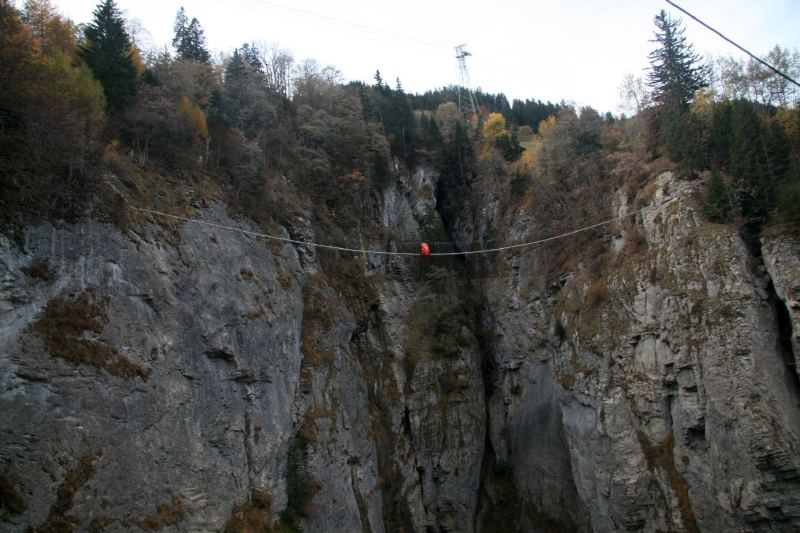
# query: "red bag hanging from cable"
{"points": [[425, 250]]}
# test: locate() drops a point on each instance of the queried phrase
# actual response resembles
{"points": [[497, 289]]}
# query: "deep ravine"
{"points": [[642, 381]]}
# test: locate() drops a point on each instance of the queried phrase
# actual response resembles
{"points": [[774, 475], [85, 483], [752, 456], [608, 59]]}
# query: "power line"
{"points": [[392, 38], [339, 25], [774, 69], [386, 252], [522, 76], [341, 22]]}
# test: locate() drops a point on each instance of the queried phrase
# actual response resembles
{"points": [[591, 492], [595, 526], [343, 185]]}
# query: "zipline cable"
{"points": [[386, 252], [541, 241], [272, 237]]}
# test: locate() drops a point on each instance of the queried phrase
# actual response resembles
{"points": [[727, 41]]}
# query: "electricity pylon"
{"points": [[464, 84]]}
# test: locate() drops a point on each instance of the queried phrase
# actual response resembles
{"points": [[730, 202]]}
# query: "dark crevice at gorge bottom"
{"points": [[785, 337], [498, 504], [751, 236]]}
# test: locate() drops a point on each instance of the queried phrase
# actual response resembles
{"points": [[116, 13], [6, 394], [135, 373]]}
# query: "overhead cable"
{"points": [[774, 69], [340, 25], [386, 252]]}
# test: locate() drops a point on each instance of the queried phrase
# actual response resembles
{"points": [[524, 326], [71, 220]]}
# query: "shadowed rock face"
{"points": [[196, 327], [210, 379], [672, 397]]}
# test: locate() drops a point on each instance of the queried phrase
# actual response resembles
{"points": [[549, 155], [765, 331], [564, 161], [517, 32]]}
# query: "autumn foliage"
{"points": [[51, 107]]}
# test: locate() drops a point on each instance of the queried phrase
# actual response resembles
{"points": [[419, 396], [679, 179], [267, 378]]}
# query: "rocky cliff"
{"points": [[201, 379], [652, 385]]}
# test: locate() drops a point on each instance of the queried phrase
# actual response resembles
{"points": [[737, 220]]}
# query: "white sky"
{"points": [[576, 50]]}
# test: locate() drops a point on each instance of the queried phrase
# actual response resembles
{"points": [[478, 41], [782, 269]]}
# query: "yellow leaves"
{"points": [[41, 79], [546, 125], [528, 160], [703, 103], [136, 59], [59, 91], [50, 31], [193, 120], [790, 120], [495, 127]]}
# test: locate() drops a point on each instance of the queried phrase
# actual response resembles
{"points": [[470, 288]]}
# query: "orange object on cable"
{"points": [[425, 250]]}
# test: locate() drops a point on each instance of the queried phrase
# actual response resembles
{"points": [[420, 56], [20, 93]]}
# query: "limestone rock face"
{"points": [[185, 379], [211, 318], [658, 395], [782, 261], [202, 379]]}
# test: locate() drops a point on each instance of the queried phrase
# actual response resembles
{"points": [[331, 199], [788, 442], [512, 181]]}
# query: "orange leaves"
{"points": [[193, 120]]}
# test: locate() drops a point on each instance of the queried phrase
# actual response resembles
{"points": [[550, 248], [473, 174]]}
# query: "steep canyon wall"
{"points": [[206, 380]]}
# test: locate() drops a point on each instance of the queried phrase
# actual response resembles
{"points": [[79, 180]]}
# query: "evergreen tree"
{"points": [[236, 67], [245, 103], [719, 206], [181, 27], [190, 39], [457, 154], [197, 38], [107, 51], [676, 71], [250, 54], [509, 146], [748, 162], [685, 142], [719, 136]]}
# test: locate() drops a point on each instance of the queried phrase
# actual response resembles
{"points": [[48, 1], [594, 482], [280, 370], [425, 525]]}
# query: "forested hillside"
{"points": [[175, 357], [78, 101]]}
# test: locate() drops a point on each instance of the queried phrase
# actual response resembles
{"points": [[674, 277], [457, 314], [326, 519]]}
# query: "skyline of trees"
{"points": [[189, 41], [259, 113], [731, 77]]}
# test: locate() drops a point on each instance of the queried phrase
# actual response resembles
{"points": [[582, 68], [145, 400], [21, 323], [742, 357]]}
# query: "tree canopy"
{"points": [[676, 71], [107, 50], [190, 40]]}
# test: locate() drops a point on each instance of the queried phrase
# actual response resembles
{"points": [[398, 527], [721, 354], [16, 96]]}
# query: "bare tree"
{"points": [[634, 94], [278, 64], [735, 78]]}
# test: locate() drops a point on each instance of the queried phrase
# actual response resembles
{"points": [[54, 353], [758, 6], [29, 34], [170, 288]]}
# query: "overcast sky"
{"points": [[576, 50]]}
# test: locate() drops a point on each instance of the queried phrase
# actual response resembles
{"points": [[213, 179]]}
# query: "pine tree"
{"points": [[197, 40], [719, 136], [190, 40], [181, 27], [749, 164], [676, 71], [719, 206], [107, 51]]}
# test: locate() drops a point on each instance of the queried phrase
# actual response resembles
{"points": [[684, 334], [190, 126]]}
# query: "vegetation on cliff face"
{"points": [[75, 108], [90, 124], [57, 519], [69, 328]]}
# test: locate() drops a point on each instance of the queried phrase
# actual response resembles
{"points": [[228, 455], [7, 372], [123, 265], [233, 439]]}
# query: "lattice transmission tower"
{"points": [[465, 102]]}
